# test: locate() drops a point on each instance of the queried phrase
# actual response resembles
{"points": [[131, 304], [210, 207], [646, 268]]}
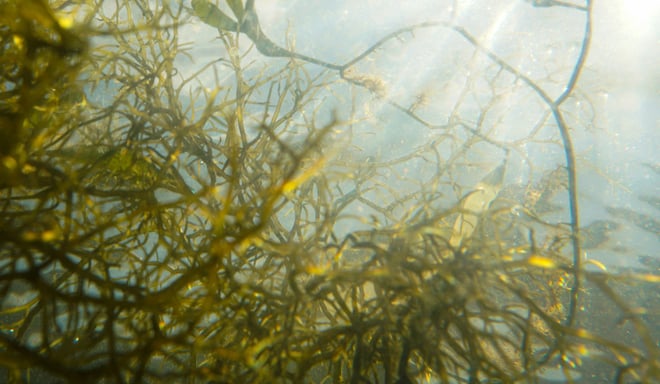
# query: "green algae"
{"points": [[176, 234]]}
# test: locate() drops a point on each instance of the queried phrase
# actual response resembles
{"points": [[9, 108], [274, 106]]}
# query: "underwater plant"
{"points": [[222, 224]]}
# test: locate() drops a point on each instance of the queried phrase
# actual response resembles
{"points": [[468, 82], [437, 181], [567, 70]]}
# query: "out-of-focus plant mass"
{"points": [[224, 225]]}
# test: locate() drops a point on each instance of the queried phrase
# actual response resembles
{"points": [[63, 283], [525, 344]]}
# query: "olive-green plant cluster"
{"points": [[158, 228]]}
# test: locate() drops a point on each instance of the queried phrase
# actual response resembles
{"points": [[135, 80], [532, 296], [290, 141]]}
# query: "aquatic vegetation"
{"points": [[224, 225], [643, 221]]}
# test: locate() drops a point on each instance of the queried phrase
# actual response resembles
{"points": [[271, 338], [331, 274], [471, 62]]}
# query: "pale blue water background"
{"points": [[616, 122]]}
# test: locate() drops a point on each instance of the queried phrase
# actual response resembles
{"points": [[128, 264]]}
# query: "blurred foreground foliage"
{"points": [[158, 228]]}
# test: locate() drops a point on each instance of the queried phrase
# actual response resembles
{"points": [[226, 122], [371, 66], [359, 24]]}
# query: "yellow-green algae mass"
{"points": [[156, 232]]}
